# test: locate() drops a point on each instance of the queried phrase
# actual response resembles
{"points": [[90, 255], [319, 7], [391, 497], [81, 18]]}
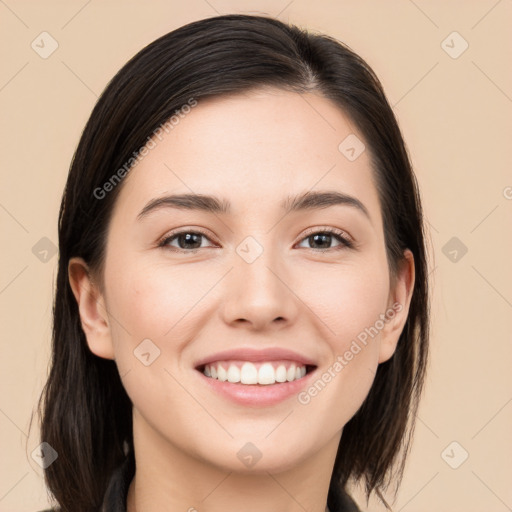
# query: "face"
{"points": [[272, 283]]}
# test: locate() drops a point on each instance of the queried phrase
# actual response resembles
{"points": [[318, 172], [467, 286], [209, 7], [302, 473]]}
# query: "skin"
{"points": [[252, 149]]}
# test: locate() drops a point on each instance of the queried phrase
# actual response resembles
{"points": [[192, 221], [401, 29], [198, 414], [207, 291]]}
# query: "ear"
{"points": [[91, 306], [400, 296]]}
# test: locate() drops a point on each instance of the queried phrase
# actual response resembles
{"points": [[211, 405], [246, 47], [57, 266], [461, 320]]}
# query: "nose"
{"points": [[259, 295]]}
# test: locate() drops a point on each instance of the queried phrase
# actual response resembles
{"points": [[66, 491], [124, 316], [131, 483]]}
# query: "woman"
{"points": [[241, 310]]}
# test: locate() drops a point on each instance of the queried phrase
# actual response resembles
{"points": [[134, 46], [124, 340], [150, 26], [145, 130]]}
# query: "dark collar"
{"points": [[117, 490]]}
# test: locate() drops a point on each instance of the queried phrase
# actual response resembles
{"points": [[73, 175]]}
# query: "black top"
{"points": [[117, 492]]}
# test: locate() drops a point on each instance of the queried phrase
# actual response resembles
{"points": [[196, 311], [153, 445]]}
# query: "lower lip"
{"points": [[257, 394]]}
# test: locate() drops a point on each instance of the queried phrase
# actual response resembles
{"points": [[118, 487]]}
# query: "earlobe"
{"points": [[398, 307], [92, 310]]}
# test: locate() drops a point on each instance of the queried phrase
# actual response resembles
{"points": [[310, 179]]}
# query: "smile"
{"points": [[250, 373], [256, 377]]}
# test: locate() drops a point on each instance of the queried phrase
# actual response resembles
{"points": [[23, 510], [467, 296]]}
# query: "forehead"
{"points": [[253, 147]]}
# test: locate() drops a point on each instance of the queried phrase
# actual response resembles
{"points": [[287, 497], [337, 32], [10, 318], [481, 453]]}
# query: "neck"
{"points": [[168, 478]]}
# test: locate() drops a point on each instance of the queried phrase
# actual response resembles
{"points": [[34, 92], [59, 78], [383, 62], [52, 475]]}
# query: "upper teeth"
{"points": [[249, 373]]}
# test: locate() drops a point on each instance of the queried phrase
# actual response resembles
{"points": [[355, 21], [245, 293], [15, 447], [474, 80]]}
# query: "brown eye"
{"points": [[323, 240], [187, 241]]}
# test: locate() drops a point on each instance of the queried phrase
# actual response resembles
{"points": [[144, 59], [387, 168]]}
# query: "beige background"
{"points": [[456, 117]]}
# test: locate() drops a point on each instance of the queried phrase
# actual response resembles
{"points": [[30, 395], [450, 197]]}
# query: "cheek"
{"points": [[157, 301], [152, 308], [154, 302], [348, 298], [347, 302]]}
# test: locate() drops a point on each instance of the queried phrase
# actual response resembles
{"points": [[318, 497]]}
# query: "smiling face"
{"points": [[287, 252]]}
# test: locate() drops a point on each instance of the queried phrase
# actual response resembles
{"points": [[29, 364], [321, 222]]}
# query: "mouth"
{"points": [[256, 378], [252, 373]]}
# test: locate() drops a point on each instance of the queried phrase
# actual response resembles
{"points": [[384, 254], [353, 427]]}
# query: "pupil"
{"points": [[189, 238]]}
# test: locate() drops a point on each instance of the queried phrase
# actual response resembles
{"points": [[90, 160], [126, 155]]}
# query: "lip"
{"points": [[255, 356], [257, 395]]}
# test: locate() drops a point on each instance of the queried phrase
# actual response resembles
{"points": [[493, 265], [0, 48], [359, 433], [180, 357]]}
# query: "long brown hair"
{"points": [[85, 411]]}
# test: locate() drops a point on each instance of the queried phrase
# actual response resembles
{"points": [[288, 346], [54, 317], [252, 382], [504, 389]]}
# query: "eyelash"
{"points": [[341, 236]]}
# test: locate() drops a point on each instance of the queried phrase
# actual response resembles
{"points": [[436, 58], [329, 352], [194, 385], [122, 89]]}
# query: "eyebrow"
{"points": [[212, 204]]}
